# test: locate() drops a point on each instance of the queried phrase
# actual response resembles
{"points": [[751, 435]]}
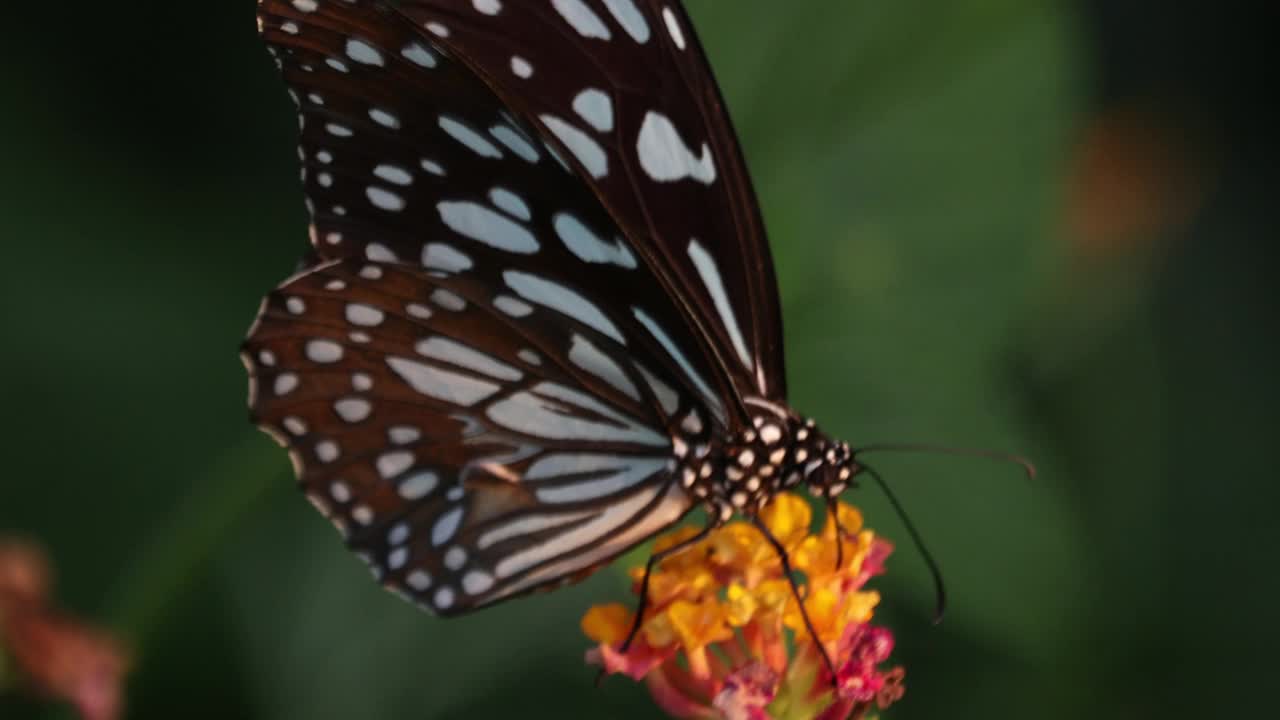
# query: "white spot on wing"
{"points": [[403, 434], [324, 351], [630, 18], [442, 532], [385, 118], [364, 315], [455, 558], [418, 580], [673, 27], [328, 451], [418, 54], [588, 246], [285, 383], [513, 204], [612, 474], [563, 300], [667, 398], [666, 158], [384, 199], [463, 133], [547, 412], [591, 535], [418, 485], [353, 410], [711, 277], [391, 464], [581, 18], [515, 142], [393, 174], [441, 256], [590, 358], [377, 252], [448, 300], [713, 401], [456, 353], [512, 306], [476, 582], [441, 384], [527, 525], [364, 53], [594, 106], [479, 223], [521, 67], [587, 151]]}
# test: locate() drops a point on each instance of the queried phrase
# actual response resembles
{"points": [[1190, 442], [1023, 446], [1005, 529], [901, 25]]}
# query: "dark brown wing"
{"points": [[451, 439], [625, 90]]}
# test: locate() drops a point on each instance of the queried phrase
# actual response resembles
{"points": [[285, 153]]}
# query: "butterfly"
{"points": [[539, 322]]}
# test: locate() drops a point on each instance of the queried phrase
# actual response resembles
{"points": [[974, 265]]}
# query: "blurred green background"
{"points": [[1041, 226]]}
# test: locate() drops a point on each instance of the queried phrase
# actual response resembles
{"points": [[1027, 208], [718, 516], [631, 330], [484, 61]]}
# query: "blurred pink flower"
{"points": [[55, 656]]}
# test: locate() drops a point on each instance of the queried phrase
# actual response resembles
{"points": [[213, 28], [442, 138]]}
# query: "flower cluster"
{"points": [[714, 640]]}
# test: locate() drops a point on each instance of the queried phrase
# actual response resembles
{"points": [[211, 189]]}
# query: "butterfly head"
{"points": [[827, 466], [830, 467]]}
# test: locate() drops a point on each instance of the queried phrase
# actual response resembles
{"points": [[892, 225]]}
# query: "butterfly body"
{"points": [[538, 323]]}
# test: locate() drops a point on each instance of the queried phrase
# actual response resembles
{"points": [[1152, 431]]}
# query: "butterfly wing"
{"points": [[480, 370], [444, 431], [408, 156], [624, 88]]}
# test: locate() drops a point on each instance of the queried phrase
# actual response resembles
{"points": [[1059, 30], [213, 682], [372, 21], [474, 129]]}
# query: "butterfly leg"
{"points": [[795, 591], [649, 567]]}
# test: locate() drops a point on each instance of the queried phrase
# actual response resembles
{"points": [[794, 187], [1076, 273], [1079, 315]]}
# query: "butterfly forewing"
{"points": [[448, 437], [624, 88], [408, 156]]}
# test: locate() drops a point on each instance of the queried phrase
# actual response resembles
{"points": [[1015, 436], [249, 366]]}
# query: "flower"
{"points": [[714, 642], [55, 655]]}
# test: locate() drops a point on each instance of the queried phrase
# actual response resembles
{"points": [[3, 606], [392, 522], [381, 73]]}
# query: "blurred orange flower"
{"points": [[55, 655]]}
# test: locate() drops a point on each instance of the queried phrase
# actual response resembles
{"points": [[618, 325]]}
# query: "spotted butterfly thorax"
{"points": [[539, 323]]}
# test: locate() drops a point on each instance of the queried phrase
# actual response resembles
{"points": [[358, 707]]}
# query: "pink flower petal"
{"points": [[674, 702], [747, 692], [636, 663]]}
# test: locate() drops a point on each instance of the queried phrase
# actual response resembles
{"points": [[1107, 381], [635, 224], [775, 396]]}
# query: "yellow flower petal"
{"points": [[740, 606], [788, 517], [608, 624], [850, 520], [658, 631], [698, 624]]}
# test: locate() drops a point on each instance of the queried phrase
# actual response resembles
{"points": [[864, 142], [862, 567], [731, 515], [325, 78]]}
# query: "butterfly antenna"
{"points": [[940, 589], [1018, 460]]}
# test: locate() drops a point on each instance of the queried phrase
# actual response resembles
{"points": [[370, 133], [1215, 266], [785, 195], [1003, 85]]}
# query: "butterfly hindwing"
{"points": [[447, 436]]}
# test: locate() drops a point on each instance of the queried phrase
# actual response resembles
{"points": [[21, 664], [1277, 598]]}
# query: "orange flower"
{"points": [[714, 639]]}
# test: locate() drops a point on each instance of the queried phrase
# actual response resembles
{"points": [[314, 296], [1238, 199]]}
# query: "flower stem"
{"points": [[217, 500]]}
